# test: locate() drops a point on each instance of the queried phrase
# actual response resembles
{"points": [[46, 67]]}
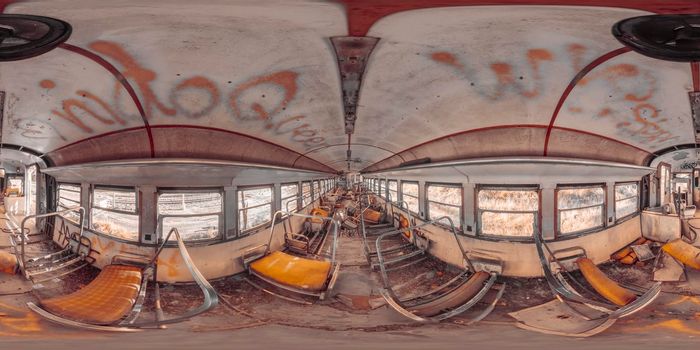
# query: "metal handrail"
{"points": [[333, 221], [23, 259]]}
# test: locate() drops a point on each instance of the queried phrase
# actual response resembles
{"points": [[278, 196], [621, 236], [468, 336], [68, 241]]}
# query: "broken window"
{"points": [[626, 200], [254, 208], [409, 194], [196, 215], [115, 213], [508, 211], [580, 209], [445, 200]]}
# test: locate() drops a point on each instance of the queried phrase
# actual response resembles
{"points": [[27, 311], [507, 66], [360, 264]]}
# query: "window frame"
{"points": [[59, 207], [604, 205], [520, 187], [459, 227], [390, 197], [417, 196], [615, 200], [137, 208], [304, 197], [255, 229], [221, 214], [296, 196], [382, 188]]}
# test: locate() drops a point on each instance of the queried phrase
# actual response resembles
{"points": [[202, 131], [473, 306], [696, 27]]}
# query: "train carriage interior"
{"points": [[299, 174]]}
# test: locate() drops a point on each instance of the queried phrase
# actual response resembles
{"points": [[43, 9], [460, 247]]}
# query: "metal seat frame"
{"points": [[129, 324], [404, 306], [554, 270], [252, 254], [66, 260]]}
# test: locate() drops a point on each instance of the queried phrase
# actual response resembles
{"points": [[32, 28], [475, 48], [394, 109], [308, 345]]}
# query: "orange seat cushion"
{"points": [[8, 263], [687, 254], [372, 216], [293, 271], [606, 287], [106, 300]]}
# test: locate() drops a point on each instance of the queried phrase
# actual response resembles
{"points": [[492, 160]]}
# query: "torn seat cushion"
{"points": [[687, 254], [105, 300], [293, 271], [606, 287], [8, 263]]}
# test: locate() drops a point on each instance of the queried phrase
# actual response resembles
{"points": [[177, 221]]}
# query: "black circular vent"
{"points": [[25, 36], [666, 37]]}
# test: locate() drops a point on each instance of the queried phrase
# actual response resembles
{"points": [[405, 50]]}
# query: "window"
{"points": [[393, 190], [317, 190], [115, 213], [306, 193], [409, 194], [31, 189], [626, 200], [290, 192], [254, 208], [15, 186], [680, 182], [68, 198], [580, 208], [382, 188], [508, 211], [196, 215], [445, 200], [664, 183]]}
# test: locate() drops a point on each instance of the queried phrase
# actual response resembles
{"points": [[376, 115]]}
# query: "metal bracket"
{"points": [[352, 53]]}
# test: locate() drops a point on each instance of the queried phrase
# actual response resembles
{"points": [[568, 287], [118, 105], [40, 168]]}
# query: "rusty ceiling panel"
{"points": [[575, 144], [352, 54], [129, 144], [192, 142]]}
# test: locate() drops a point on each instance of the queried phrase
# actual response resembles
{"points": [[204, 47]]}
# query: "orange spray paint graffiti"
{"points": [[193, 98]]}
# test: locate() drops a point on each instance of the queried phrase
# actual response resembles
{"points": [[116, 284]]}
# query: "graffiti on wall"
{"points": [[260, 101], [627, 89]]}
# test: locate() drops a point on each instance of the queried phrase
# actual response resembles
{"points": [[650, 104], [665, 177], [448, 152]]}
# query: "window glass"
{"points": [[114, 213], [581, 208], [254, 208], [393, 190], [306, 193], [317, 190], [31, 184], [68, 197], [15, 186], [445, 201], [626, 200], [409, 194], [290, 192], [382, 188], [508, 211], [196, 215]]}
